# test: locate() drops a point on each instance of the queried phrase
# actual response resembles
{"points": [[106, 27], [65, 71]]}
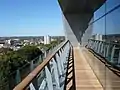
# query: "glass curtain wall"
{"points": [[105, 43]]}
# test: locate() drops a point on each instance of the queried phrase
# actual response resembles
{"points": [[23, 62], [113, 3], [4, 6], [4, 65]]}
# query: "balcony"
{"points": [[73, 68]]}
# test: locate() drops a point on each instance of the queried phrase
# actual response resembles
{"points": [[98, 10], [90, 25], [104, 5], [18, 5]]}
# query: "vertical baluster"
{"points": [[112, 54], [96, 46], [88, 44], [43, 85], [34, 85], [104, 49], [107, 53], [45, 54], [18, 76], [41, 80], [31, 86], [48, 79], [56, 75], [119, 58], [93, 45], [59, 64], [62, 57], [40, 59], [101, 50], [31, 65]]}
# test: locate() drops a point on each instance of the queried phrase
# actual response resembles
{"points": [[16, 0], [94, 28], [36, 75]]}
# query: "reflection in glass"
{"points": [[113, 38], [110, 4], [100, 12]]}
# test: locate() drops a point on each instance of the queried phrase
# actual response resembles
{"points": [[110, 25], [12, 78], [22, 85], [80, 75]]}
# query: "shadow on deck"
{"points": [[70, 74]]}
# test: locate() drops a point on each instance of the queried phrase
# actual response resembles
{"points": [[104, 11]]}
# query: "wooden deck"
{"points": [[84, 77]]}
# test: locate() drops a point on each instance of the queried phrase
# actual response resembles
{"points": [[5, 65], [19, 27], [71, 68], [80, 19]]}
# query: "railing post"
{"points": [[101, 50], [48, 79], [18, 76], [31, 86], [119, 58], [99, 47], [56, 75], [112, 53], [62, 61], [104, 49], [90, 44], [34, 84], [59, 64], [97, 42], [31, 65], [40, 59], [43, 85], [107, 53], [93, 45]]}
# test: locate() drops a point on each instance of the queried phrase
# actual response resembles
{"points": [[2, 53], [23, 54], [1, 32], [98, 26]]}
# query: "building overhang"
{"points": [[80, 6], [77, 16]]}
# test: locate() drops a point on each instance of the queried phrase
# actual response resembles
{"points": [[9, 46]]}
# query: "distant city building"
{"points": [[47, 39], [8, 41], [97, 37], [41, 41], [2, 44], [52, 39]]}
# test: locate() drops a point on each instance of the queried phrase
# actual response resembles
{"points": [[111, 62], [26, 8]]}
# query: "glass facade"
{"points": [[105, 44]]}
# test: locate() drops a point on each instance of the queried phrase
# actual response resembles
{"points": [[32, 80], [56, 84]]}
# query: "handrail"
{"points": [[24, 84], [112, 43]]}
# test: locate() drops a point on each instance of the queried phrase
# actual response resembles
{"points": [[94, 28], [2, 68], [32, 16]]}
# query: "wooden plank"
{"points": [[84, 76]]}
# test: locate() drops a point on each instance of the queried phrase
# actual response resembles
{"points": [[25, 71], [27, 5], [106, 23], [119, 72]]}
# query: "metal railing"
{"points": [[108, 50], [51, 73]]}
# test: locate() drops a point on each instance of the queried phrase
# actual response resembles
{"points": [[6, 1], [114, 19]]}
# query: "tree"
{"points": [[5, 50], [11, 61], [29, 52]]}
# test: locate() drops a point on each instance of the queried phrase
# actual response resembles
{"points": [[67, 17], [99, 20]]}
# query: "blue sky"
{"points": [[30, 17]]}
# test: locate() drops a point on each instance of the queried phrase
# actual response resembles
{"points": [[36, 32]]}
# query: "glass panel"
{"points": [[99, 12], [110, 4], [99, 29], [113, 37], [98, 35]]}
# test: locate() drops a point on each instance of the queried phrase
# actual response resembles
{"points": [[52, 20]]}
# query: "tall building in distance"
{"points": [[47, 39], [97, 37]]}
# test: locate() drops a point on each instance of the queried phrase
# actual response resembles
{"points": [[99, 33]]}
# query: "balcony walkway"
{"points": [[75, 67], [84, 75]]}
